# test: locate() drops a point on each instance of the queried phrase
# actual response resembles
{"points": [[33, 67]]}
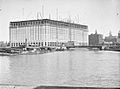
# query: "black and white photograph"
{"points": [[59, 44]]}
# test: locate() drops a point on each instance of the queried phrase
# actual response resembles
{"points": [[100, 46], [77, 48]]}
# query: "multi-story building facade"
{"points": [[46, 32], [95, 39]]}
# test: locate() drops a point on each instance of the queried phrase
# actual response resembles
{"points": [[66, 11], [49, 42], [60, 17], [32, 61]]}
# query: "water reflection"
{"points": [[4, 69], [77, 67]]}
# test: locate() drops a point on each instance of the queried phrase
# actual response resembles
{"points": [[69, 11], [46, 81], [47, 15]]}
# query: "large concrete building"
{"points": [[46, 32], [95, 39]]}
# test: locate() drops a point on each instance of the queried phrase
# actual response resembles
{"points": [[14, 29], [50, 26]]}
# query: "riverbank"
{"points": [[67, 87], [16, 87], [27, 51], [8, 86], [50, 87], [42, 50]]}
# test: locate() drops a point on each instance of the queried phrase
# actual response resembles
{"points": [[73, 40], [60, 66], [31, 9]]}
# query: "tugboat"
{"points": [[113, 48]]}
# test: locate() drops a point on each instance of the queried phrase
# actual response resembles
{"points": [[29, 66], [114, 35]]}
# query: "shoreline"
{"points": [[43, 52], [50, 87]]}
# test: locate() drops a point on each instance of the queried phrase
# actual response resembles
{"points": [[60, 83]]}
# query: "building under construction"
{"points": [[46, 32]]}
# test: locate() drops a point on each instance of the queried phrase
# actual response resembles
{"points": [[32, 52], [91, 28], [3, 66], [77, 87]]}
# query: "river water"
{"points": [[78, 67]]}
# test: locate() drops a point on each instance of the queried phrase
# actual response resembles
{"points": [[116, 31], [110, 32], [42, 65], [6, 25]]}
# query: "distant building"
{"points": [[95, 39], [46, 32], [118, 38], [110, 38]]}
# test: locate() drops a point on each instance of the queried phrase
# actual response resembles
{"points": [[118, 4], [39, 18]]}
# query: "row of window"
{"points": [[39, 44], [14, 24], [36, 44]]}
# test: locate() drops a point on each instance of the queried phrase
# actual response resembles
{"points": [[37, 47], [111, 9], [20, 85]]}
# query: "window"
{"points": [[11, 44], [45, 44], [16, 44], [42, 43], [48, 43]]}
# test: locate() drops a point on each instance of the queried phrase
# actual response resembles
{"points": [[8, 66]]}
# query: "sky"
{"points": [[100, 15]]}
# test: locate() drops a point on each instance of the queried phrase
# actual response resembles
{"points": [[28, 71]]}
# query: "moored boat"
{"points": [[113, 48], [7, 54]]}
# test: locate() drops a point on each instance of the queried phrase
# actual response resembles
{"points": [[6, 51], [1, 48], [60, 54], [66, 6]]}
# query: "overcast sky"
{"points": [[103, 15]]}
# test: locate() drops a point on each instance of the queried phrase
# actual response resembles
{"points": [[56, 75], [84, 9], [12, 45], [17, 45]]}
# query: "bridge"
{"points": [[90, 46]]}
